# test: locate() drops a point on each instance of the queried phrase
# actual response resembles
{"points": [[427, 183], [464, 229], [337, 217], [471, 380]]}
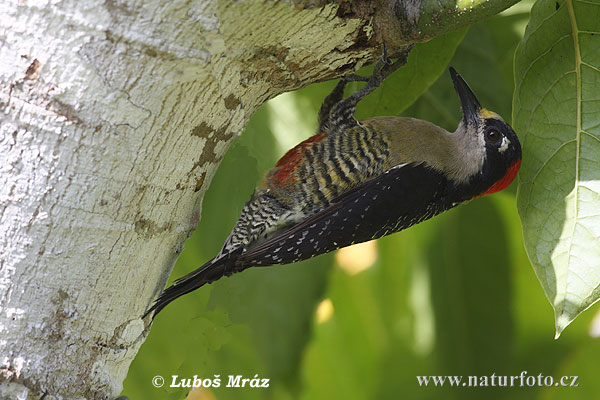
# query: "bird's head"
{"points": [[487, 141]]}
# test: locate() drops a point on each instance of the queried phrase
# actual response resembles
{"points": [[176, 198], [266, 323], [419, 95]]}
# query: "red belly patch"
{"points": [[285, 166]]}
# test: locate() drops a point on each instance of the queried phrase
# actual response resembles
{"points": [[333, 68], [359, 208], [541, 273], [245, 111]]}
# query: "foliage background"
{"points": [[455, 295]]}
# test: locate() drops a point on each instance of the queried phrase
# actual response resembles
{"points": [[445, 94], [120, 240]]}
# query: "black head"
{"points": [[491, 142]]}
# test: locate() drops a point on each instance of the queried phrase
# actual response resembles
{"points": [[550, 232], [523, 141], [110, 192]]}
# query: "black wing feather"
{"points": [[399, 198]]}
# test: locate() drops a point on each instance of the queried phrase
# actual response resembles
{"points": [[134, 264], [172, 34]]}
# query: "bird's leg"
{"points": [[336, 95], [383, 68], [333, 98], [342, 112]]}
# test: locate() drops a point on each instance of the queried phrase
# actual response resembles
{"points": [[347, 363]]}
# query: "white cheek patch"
{"points": [[504, 145]]}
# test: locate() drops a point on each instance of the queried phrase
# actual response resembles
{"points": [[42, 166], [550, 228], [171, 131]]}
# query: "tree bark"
{"points": [[114, 117]]}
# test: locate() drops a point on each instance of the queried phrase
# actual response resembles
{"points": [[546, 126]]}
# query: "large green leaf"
{"points": [[557, 115]]}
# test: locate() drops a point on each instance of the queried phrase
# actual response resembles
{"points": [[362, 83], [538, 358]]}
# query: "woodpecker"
{"points": [[356, 181]]}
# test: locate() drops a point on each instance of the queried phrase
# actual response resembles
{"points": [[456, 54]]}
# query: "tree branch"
{"points": [[113, 121], [400, 22], [422, 20]]}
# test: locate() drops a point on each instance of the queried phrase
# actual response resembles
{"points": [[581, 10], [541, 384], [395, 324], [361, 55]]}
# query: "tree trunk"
{"points": [[114, 117]]}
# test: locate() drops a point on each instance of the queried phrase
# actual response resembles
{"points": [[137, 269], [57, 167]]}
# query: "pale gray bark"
{"points": [[113, 118]]}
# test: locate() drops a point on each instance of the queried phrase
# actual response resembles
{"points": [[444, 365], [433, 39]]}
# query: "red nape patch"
{"points": [[286, 164], [506, 180]]}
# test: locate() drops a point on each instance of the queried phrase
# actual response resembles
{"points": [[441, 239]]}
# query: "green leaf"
{"points": [[469, 269], [426, 62], [556, 112]]}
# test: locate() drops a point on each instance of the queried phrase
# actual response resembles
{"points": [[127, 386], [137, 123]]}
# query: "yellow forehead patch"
{"points": [[485, 113]]}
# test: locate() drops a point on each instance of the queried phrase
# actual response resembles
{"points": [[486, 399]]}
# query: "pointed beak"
{"points": [[470, 104]]}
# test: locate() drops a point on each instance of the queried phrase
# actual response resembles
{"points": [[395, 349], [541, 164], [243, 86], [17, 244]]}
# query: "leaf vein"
{"points": [[591, 135], [588, 217], [592, 233], [539, 103], [587, 2], [535, 60], [544, 164], [542, 22], [577, 60], [590, 66]]}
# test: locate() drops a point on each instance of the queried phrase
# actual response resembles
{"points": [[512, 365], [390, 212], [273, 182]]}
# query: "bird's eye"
{"points": [[493, 135]]}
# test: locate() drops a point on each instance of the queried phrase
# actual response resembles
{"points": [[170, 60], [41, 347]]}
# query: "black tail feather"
{"points": [[208, 273]]}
